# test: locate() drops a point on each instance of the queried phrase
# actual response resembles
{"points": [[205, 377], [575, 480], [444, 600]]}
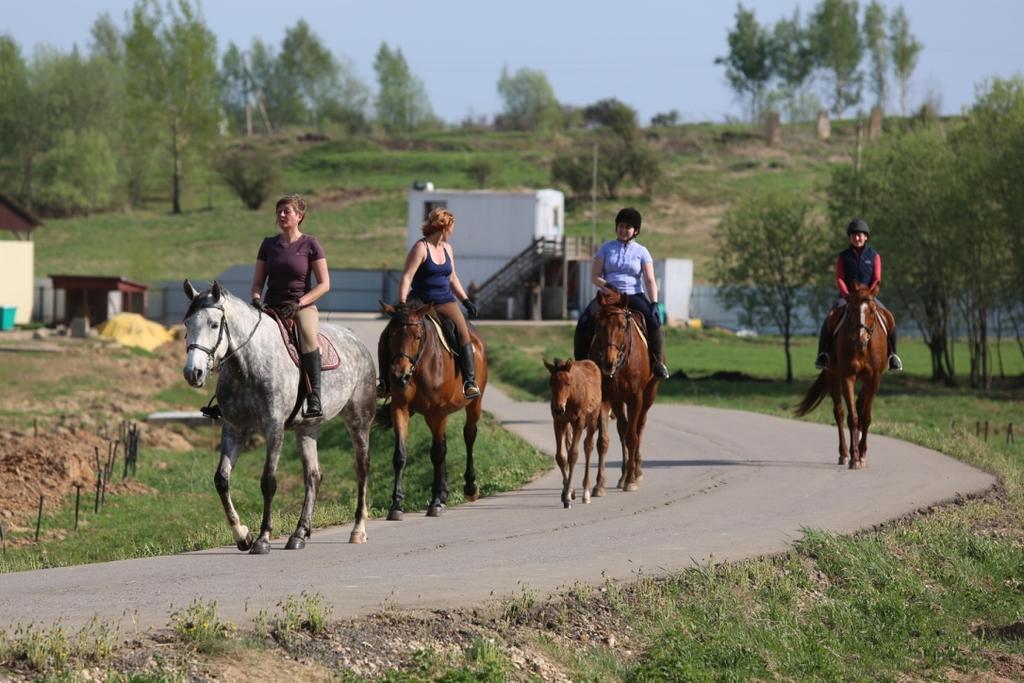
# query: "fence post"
{"points": [[78, 499], [39, 519], [1009, 433]]}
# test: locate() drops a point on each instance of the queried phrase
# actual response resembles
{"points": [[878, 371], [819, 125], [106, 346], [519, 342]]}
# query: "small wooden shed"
{"points": [[98, 297]]}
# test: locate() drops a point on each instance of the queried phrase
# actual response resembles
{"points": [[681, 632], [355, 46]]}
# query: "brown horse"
{"points": [[859, 353], [423, 380], [575, 407], [628, 386]]}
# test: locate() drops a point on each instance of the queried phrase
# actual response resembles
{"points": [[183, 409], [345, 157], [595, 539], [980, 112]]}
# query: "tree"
{"points": [[402, 102], [77, 175], [838, 47], [769, 249], [236, 87], [905, 51], [614, 114], [325, 83], [792, 62], [747, 66], [172, 79], [530, 102], [245, 171], [878, 49], [106, 39], [986, 149], [907, 189], [15, 117], [666, 118]]}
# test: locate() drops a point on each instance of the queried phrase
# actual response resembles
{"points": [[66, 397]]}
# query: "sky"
{"points": [[655, 56]]}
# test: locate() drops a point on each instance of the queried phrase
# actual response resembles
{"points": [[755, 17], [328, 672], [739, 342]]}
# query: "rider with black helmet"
{"points": [[624, 264], [858, 263]]}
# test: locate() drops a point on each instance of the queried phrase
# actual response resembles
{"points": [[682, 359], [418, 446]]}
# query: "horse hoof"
{"points": [[471, 493], [357, 537], [599, 492], [395, 516], [567, 504], [244, 544], [631, 486], [618, 484], [295, 543], [260, 547], [436, 510], [586, 497]]}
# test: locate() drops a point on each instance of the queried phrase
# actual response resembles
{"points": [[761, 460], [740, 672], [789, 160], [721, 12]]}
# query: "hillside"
{"points": [[356, 191]]}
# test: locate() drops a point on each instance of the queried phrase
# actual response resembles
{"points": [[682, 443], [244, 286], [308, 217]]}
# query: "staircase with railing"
{"points": [[526, 265]]}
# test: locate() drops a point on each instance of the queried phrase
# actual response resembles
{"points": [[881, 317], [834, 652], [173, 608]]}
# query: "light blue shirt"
{"points": [[623, 264]]}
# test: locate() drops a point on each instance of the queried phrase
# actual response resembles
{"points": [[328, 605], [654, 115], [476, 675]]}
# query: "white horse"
{"points": [[258, 390]]}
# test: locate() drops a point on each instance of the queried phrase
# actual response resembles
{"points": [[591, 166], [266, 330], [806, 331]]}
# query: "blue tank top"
{"points": [[430, 281]]}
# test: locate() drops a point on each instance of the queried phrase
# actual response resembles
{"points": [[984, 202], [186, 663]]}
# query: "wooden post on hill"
{"points": [[3, 539], [1009, 434], [824, 126], [875, 123], [99, 481], [772, 129], [39, 518], [78, 500]]}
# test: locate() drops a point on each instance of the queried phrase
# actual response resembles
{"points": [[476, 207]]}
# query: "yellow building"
{"points": [[17, 254]]}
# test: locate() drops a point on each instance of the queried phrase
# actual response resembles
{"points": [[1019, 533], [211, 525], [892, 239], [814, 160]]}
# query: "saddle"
{"points": [[446, 332], [329, 358]]}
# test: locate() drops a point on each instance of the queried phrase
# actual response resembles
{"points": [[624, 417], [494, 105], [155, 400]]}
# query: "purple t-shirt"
{"points": [[623, 264], [289, 267]]}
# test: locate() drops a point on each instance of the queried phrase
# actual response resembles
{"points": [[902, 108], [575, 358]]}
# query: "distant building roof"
{"points": [[15, 217], [101, 282]]}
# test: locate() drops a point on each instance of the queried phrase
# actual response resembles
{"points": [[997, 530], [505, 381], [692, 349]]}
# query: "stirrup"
{"points": [[895, 364], [470, 390], [660, 369], [821, 362], [211, 410]]}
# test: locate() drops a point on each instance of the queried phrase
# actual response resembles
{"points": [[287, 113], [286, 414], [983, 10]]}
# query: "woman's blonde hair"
{"points": [[296, 202], [437, 221]]}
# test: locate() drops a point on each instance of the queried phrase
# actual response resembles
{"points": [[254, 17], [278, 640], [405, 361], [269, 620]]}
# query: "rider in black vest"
{"points": [[858, 263]]}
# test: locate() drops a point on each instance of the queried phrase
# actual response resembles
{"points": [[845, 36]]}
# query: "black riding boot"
{"points": [[821, 362], [468, 364], [311, 366], [656, 347], [581, 339], [895, 364]]}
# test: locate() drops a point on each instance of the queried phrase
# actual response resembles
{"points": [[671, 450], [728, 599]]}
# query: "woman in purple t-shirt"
{"points": [[625, 265], [286, 264]]}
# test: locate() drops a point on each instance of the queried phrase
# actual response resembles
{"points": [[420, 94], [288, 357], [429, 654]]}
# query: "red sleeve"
{"points": [[841, 277], [877, 277]]}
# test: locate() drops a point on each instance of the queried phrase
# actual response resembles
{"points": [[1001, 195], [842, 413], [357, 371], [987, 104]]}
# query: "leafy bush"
{"points": [[249, 173], [77, 175]]}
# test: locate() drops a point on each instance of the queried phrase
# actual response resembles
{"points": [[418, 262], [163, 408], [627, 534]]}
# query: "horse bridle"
{"points": [[419, 352], [861, 326], [211, 351], [626, 345]]}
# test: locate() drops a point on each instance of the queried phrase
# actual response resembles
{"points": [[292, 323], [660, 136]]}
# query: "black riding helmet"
{"points": [[858, 225], [629, 216]]}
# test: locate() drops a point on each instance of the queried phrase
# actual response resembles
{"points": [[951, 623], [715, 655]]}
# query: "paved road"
{"points": [[719, 485]]}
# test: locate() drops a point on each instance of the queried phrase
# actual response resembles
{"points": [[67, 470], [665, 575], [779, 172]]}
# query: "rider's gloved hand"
{"points": [[659, 310], [471, 310], [258, 304], [288, 310]]}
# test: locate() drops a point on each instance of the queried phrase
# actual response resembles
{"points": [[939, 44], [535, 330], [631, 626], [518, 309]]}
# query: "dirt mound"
{"points": [[50, 465]]}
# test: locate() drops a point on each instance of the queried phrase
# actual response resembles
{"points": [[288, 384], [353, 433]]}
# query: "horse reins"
{"points": [[210, 351]]}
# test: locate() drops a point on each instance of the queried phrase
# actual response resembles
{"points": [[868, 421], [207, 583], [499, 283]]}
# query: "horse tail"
{"points": [[383, 416], [813, 396]]}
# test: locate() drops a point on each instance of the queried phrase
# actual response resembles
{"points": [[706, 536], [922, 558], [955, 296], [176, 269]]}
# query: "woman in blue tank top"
{"points": [[430, 277]]}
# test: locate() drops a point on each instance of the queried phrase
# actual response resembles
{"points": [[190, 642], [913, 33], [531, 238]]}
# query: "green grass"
{"points": [[184, 511], [921, 598], [357, 195]]}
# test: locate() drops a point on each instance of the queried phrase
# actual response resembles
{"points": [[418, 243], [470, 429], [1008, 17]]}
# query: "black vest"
{"points": [[858, 268]]}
